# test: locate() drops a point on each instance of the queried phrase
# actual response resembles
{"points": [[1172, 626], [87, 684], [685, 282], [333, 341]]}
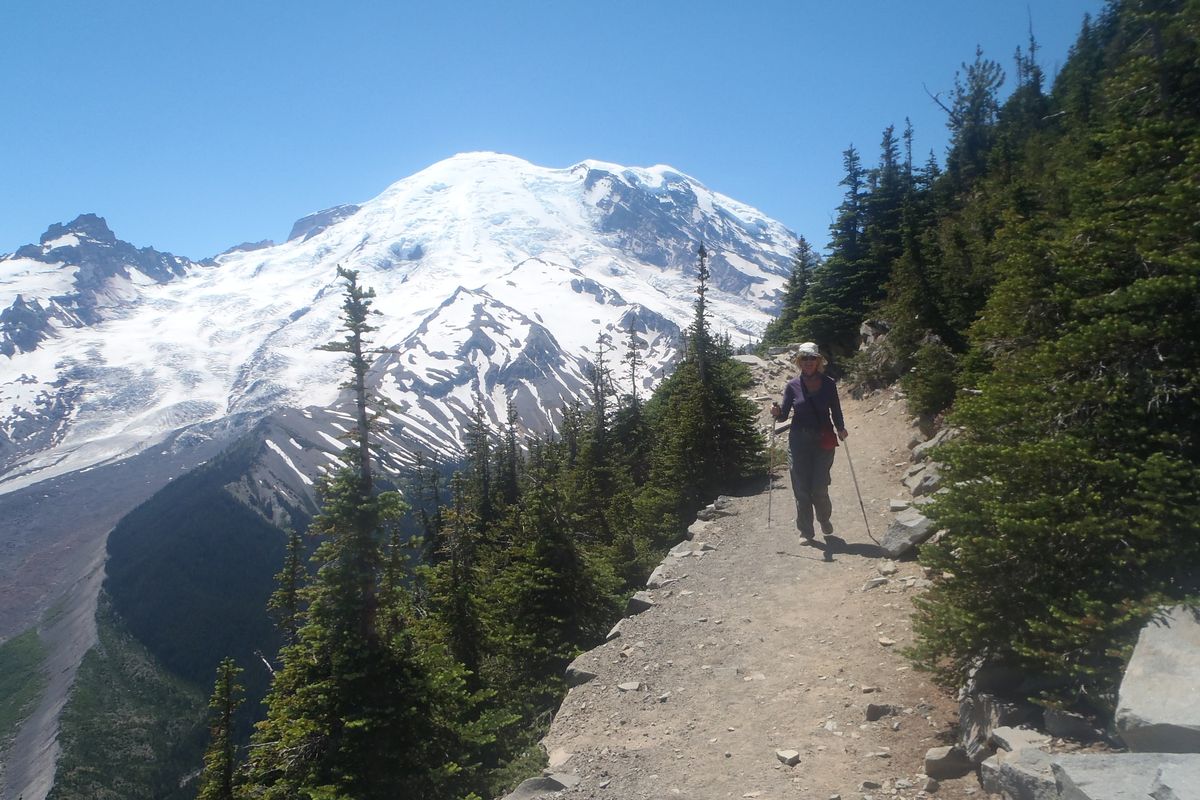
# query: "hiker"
{"points": [[812, 440]]}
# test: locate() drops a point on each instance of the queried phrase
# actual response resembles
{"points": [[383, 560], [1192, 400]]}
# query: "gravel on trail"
{"points": [[767, 668]]}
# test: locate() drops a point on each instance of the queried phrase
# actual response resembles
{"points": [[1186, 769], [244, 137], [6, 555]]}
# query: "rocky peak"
{"points": [[89, 226], [310, 226]]}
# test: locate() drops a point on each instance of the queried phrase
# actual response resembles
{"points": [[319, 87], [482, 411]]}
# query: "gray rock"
{"points": [[1177, 782], [753, 361], [789, 757], [908, 530], [947, 762], [898, 505], [698, 527], [1158, 707], [1124, 776], [658, 578], [1008, 738], [638, 603], [921, 451], [539, 787], [630, 686], [926, 481], [614, 632], [877, 711], [1068, 725], [576, 675], [1021, 775], [873, 582], [981, 714]]}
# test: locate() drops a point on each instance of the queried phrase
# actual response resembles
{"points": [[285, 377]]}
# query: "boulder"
{"points": [[542, 786], [1158, 707], [1177, 781], [908, 530], [925, 481], [877, 711], [576, 675], [698, 527], [980, 715], [921, 451], [1069, 725], [947, 762], [638, 603], [1013, 739], [659, 578], [1025, 774], [1126, 776]]}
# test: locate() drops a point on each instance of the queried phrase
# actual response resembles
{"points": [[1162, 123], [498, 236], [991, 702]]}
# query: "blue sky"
{"points": [[196, 126]]}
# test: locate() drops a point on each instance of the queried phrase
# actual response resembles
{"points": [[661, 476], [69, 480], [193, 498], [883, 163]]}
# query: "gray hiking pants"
{"points": [[809, 466]]}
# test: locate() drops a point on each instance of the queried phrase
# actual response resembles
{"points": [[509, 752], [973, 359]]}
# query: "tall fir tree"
{"points": [[218, 778]]}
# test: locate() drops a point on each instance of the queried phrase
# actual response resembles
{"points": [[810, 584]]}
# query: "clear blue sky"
{"points": [[195, 126]]}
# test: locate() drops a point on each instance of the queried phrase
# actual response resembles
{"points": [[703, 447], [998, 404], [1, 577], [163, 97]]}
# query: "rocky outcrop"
{"points": [[310, 226], [908, 530], [1158, 708], [1122, 776]]}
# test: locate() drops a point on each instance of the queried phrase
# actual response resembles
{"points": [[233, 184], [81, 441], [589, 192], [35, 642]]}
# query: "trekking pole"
{"points": [[854, 478], [770, 470]]}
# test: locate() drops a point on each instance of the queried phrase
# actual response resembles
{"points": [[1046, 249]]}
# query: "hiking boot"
{"points": [[808, 539]]}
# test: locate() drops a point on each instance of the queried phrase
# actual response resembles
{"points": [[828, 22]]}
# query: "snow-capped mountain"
{"points": [[494, 278], [122, 369]]}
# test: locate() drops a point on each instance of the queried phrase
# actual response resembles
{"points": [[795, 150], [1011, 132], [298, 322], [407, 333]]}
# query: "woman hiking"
{"points": [[812, 396]]}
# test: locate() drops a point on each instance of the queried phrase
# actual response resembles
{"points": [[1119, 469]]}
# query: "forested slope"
{"points": [[1039, 290]]}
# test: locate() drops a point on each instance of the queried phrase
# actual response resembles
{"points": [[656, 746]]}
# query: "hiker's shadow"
{"points": [[836, 544]]}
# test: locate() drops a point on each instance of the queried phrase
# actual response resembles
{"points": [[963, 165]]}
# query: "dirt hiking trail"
{"points": [[763, 645]]}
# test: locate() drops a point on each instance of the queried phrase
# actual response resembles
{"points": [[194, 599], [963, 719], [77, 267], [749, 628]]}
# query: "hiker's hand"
{"points": [[843, 433], [775, 410]]}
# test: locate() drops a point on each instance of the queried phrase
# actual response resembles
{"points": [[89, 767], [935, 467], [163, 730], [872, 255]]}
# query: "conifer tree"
{"points": [[357, 710], [1074, 486], [285, 601], [217, 780], [829, 312], [781, 330]]}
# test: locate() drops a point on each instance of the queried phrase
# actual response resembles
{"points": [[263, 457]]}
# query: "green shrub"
{"points": [[930, 384]]}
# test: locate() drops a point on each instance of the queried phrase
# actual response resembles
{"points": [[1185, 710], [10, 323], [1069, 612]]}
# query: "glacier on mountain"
{"points": [[494, 278]]}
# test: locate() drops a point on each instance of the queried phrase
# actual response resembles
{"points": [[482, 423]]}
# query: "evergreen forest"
{"points": [[1038, 292], [429, 666], [1035, 289]]}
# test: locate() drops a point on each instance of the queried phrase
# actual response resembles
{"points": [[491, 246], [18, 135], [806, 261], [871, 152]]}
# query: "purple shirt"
{"points": [[813, 409]]}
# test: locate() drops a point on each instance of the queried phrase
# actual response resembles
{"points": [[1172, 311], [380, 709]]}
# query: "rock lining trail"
{"points": [[762, 646]]}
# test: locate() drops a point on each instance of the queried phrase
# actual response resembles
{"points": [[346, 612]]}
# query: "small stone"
{"points": [[877, 711], [866, 785], [662, 698], [789, 757], [630, 686], [604, 783], [887, 567], [873, 582], [931, 785], [886, 642], [869, 689]]}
